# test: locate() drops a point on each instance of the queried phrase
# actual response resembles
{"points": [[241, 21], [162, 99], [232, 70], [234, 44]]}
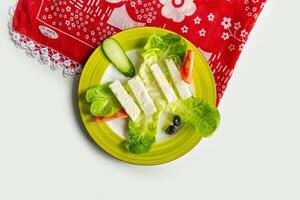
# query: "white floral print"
{"points": [[202, 32], [226, 23], [244, 33], [211, 17], [234, 33], [251, 10], [231, 47], [225, 36], [241, 47], [177, 10], [197, 20], [67, 23], [237, 25], [184, 29], [132, 4]]}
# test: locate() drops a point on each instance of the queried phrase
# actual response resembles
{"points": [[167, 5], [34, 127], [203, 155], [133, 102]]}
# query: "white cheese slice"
{"points": [[163, 83], [142, 96], [125, 99], [180, 85]]}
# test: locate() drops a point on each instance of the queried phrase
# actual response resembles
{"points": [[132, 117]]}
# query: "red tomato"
{"points": [[187, 67], [121, 114]]}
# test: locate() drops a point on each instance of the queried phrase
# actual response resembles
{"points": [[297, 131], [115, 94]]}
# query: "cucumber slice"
{"points": [[118, 57]]}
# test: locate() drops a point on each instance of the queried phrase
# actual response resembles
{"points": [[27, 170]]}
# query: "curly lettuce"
{"points": [[103, 101], [201, 115], [169, 46], [142, 133]]}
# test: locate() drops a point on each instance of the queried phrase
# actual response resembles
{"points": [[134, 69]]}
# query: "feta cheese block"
{"points": [[125, 100], [138, 88], [180, 85], [163, 83]]}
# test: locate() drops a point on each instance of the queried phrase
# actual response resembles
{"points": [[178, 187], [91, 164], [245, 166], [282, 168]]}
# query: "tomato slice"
{"points": [[121, 114], [187, 67]]}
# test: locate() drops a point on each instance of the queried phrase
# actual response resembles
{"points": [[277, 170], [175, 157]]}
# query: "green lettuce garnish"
{"points": [[170, 46], [199, 114], [103, 101], [142, 133]]}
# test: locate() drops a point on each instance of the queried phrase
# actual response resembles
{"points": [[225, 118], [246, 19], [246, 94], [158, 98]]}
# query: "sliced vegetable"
{"points": [[103, 101], [196, 112], [121, 114], [142, 133], [187, 67], [118, 57]]}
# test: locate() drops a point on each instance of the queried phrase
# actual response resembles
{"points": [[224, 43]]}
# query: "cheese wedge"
{"points": [[138, 88], [125, 100], [163, 83], [180, 85]]}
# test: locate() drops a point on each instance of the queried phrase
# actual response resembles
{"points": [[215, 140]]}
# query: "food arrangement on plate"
{"points": [[161, 83]]}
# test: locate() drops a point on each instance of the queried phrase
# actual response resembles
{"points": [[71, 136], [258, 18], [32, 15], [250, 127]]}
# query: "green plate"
{"points": [[162, 152]]}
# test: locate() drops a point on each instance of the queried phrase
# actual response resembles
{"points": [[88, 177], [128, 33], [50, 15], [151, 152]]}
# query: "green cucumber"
{"points": [[118, 57]]}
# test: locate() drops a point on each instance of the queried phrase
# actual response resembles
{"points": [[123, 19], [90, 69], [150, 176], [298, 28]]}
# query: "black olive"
{"points": [[176, 120], [171, 130]]}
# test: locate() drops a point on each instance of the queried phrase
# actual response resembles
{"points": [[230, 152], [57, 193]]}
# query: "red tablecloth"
{"points": [[65, 32]]}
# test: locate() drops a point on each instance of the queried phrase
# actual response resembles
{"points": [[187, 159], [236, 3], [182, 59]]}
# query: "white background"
{"points": [[44, 153]]}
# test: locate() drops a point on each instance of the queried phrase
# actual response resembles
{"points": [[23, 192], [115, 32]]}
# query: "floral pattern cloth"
{"points": [[65, 32]]}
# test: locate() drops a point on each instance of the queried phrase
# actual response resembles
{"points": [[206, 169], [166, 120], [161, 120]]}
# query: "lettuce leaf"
{"points": [[170, 46], [103, 101], [199, 114], [99, 91], [142, 133], [157, 49], [105, 107]]}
